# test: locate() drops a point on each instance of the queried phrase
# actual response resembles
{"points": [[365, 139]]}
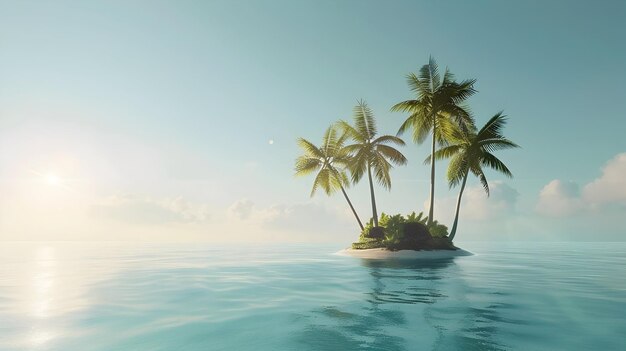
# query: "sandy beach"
{"points": [[381, 253]]}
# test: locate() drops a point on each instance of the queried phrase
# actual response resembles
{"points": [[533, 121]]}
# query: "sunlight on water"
{"points": [[40, 285], [120, 297], [44, 273]]}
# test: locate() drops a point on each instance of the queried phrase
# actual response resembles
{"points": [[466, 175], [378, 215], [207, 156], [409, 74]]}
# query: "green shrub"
{"points": [[384, 218], [394, 232], [362, 245], [366, 230], [366, 242], [393, 227], [438, 230], [413, 218]]}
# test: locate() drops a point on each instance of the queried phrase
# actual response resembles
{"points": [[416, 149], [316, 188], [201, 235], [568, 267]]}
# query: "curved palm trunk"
{"points": [[458, 206], [374, 212], [352, 208], [432, 177]]}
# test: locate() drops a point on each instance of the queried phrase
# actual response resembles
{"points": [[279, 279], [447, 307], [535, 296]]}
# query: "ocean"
{"points": [[507, 296]]}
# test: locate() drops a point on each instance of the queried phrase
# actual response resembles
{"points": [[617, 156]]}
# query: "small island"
{"points": [[401, 237], [352, 151]]}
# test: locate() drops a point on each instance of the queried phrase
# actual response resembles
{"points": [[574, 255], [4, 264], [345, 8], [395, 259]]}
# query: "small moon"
{"points": [[271, 142]]}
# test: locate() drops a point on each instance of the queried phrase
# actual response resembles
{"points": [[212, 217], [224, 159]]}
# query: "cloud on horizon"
{"points": [[476, 205], [146, 210], [561, 198], [611, 186], [310, 219]]}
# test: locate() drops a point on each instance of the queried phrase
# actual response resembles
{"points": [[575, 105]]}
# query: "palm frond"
{"points": [[310, 148], [430, 74], [493, 127], [497, 144], [329, 139], [456, 169], [388, 139], [392, 154], [358, 165], [343, 178], [450, 132], [420, 123], [493, 162], [448, 77], [481, 176], [445, 152], [364, 120], [381, 169], [460, 114], [422, 129], [336, 180], [417, 85], [463, 90], [406, 106], [410, 121], [306, 165], [352, 148], [320, 181], [349, 131]]}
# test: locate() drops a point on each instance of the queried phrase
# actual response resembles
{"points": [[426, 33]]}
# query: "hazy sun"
{"points": [[52, 179]]}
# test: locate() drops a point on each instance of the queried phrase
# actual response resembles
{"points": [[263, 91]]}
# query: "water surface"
{"points": [[509, 296]]}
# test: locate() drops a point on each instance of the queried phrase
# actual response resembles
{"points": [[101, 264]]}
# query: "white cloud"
{"points": [[306, 217], [476, 205], [146, 210], [241, 209], [559, 198], [310, 221], [611, 186]]}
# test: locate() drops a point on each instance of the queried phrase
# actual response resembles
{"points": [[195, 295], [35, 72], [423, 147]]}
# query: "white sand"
{"points": [[403, 254]]}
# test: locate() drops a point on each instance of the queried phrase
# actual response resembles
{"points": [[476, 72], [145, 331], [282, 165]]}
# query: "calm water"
{"points": [[119, 297]]}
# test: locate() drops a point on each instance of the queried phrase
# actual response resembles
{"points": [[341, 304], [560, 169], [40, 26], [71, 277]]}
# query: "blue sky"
{"points": [[156, 116]]}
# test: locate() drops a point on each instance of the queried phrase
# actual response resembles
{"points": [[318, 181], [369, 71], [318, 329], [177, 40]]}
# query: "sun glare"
{"points": [[52, 179]]}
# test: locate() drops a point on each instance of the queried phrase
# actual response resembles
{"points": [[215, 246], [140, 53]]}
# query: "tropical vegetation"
{"points": [[329, 161], [406, 232], [370, 152], [350, 151], [469, 152], [436, 107]]}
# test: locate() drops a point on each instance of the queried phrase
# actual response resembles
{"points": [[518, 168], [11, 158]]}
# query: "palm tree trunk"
{"points": [[458, 206], [352, 208], [375, 214], [432, 177]]}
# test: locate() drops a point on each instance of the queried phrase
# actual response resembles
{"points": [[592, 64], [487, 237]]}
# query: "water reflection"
{"points": [[419, 266], [378, 322], [40, 285], [459, 322], [409, 305], [57, 298], [406, 281]]}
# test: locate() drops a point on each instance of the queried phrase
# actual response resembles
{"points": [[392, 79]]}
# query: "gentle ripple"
{"points": [[556, 296]]}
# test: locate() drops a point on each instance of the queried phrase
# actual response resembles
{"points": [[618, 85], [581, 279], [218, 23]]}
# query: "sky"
{"points": [[178, 120]]}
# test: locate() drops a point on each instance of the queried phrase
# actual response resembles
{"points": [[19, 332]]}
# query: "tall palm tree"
{"points": [[371, 152], [437, 104], [329, 161], [470, 151]]}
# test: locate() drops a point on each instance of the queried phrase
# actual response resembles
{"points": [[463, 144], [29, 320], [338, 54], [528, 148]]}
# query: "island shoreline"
{"points": [[383, 253]]}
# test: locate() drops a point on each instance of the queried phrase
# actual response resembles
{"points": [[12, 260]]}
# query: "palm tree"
{"points": [[371, 152], [437, 104], [470, 151], [329, 161]]}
